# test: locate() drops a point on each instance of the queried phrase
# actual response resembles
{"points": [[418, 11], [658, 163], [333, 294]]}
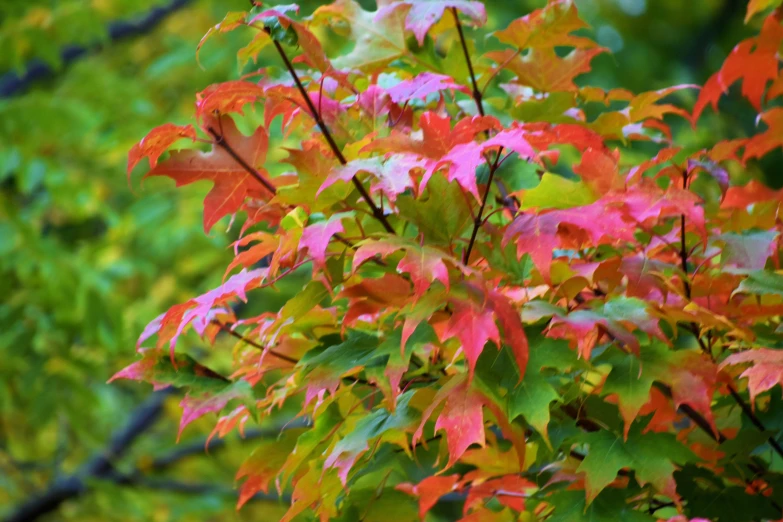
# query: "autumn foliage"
{"points": [[513, 307]]}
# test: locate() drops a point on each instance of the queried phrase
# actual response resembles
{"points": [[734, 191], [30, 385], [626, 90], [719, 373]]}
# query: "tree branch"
{"points": [[220, 141], [12, 83], [99, 466], [376, 212]]}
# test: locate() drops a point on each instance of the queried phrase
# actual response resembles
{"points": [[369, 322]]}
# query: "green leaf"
{"points": [[651, 456], [761, 282], [557, 192]]}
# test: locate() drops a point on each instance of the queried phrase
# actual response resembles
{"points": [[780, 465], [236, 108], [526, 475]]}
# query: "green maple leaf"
{"points": [[652, 457]]}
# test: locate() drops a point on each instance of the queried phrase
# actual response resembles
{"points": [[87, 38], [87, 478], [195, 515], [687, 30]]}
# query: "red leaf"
{"points": [[200, 310], [464, 159], [462, 419], [424, 15], [392, 175], [760, 144], [474, 327], [157, 141], [510, 490], [430, 490], [765, 371], [421, 86], [226, 97], [316, 237], [513, 332], [753, 192], [232, 183], [754, 61], [599, 170], [424, 264]]}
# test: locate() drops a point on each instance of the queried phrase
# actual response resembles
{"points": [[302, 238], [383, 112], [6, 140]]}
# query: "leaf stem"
{"points": [[376, 212]]}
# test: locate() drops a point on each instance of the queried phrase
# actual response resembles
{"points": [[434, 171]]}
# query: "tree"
{"points": [[599, 344], [523, 295]]}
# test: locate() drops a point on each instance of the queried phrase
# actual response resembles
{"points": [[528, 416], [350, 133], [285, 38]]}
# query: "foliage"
{"points": [[503, 289]]}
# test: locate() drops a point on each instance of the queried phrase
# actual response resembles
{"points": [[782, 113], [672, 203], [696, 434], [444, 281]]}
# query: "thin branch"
{"points": [[477, 221], [376, 212], [746, 409], [252, 343], [476, 92], [220, 141]]}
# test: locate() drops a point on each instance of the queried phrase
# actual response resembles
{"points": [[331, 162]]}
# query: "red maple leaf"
{"points": [[754, 61], [766, 369], [232, 182]]}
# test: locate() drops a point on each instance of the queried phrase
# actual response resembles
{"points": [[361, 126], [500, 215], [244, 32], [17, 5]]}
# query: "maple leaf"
{"points": [[157, 141], [474, 327], [263, 464], [750, 250], [392, 175], [548, 27], [316, 237], [509, 490], [369, 427], [754, 61], [423, 14], [543, 70], [749, 194], [232, 182], [424, 264], [198, 405], [379, 36], [766, 369], [226, 97], [652, 457], [430, 490], [462, 418], [762, 143], [513, 332], [199, 311], [421, 86], [463, 159]]}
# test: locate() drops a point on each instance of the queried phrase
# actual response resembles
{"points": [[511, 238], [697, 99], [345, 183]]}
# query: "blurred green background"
{"points": [[86, 262]]}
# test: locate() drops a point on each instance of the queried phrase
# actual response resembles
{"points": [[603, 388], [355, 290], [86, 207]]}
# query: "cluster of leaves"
{"points": [[511, 308]]}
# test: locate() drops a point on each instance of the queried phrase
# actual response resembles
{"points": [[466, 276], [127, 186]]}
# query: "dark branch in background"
{"points": [[99, 466], [12, 83], [376, 212], [103, 466]]}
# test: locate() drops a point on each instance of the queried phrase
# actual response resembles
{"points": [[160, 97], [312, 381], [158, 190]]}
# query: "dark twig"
{"points": [[376, 212], [252, 343], [476, 92], [477, 221], [221, 142], [746, 409]]}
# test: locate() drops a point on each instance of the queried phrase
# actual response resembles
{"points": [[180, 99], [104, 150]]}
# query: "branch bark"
{"points": [[99, 466], [12, 83]]}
